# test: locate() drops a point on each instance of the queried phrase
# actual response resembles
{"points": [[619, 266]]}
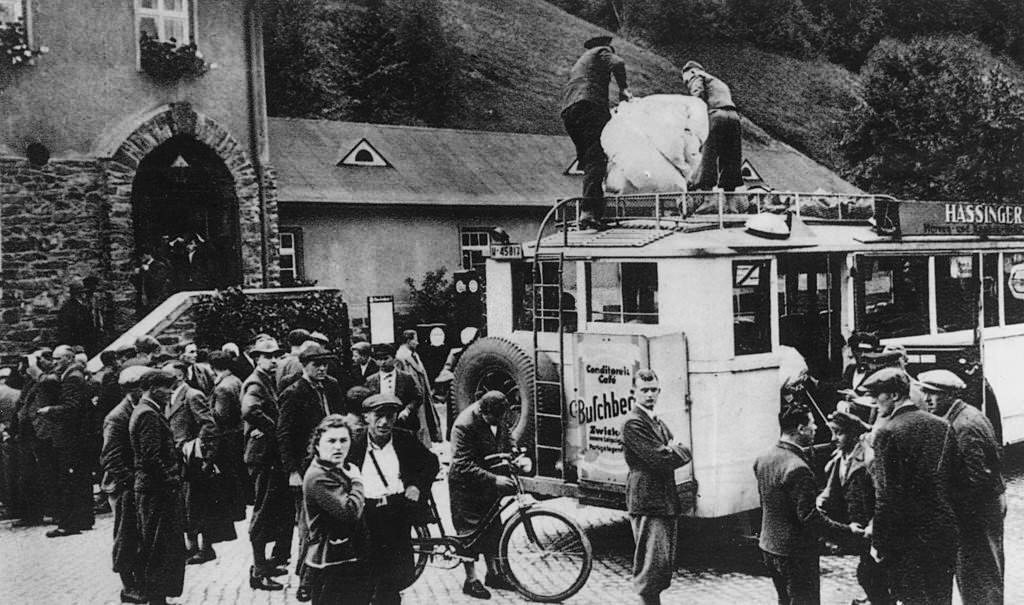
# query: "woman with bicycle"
{"points": [[333, 502]]}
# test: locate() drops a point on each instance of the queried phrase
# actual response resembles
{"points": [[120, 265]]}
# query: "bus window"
{"points": [[956, 292], [751, 307], [991, 264], [547, 297], [892, 294], [623, 292], [1013, 293]]}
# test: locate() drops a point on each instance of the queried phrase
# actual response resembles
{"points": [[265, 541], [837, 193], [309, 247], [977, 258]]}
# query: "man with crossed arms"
{"points": [[652, 455]]}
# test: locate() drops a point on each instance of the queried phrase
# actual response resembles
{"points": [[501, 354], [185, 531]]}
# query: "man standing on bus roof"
{"points": [[585, 112], [652, 455], [914, 531], [791, 523], [980, 491], [722, 154]]}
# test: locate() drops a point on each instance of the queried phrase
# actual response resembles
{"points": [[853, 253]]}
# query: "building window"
{"points": [[290, 255], [623, 292], [165, 20], [475, 243], [11, 10], [751, 307]]}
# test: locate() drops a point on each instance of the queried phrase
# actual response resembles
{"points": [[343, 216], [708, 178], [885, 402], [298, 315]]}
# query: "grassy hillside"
{"points": [[518, 54]]}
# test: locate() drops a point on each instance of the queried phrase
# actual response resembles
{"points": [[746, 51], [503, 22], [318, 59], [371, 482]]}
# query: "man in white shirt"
{"points": [[390, 380], [397, 474]]}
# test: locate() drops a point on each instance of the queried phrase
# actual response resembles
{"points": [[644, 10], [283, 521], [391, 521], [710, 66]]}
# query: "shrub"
{"points": [[431, 302], [234, 316]]}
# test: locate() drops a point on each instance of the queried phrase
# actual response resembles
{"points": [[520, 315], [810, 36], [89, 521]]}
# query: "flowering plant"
{"points": [[169, 62], [14, 46]]}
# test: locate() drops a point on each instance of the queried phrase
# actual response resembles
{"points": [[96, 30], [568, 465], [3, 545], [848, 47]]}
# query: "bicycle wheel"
{"points": [[420, 553], [545, 555]]}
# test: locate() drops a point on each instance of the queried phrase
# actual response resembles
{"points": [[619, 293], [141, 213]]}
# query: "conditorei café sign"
{"points": [[960, 218]]}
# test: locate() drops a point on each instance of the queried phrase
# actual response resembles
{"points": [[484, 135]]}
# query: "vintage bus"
{"points": [[710, 289]]}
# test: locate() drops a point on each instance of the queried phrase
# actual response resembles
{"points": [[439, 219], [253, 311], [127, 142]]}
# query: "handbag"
{"points": [[328, 552]]}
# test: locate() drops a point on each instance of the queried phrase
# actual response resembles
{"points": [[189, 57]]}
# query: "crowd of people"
{"points": [[914, 487], [178, 441]]}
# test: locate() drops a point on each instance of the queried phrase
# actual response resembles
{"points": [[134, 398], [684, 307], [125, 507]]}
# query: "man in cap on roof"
{"points": [[585, 113], [722, 153], [397, 473], [117, 464], [849, 494], [980, 490], [914, 528]]}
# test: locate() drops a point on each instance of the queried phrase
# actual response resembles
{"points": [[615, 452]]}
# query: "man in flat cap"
{"points": [[980, 491], [117, 463], [914, 529], [585, 112], [363, 365], [397, 474], [391, 380], [722, 154], [849, 494]]}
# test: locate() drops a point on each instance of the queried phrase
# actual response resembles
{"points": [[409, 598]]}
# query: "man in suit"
{"points": [[585, 113], [390, 380], [397, 475], [363, 365], [652, 455], [70, 418], [197, 376], [157, 492], [226, 407], [273, 514], [408, 360], [474, 486], [195, 436], [914, 530], [981, 492], [117, 463], [791, 523], [75, 321]]}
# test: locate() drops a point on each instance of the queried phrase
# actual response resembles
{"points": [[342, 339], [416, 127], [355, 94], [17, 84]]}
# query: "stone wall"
{"points": [[74, 218]]}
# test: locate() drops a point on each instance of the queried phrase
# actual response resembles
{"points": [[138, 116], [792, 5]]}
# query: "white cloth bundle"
{"points": [[654, 143]]}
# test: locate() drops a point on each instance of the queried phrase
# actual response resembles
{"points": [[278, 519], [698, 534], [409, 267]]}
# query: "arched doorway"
{"points": [[185, 214]]}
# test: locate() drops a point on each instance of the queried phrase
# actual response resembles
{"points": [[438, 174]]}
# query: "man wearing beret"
{"points": [[980, 490], [397, 474], [585, 113], [721, 155], [914, 529], [117, 462]]}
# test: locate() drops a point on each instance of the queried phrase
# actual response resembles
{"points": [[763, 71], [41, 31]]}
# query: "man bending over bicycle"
{"points": [[479, 432]]}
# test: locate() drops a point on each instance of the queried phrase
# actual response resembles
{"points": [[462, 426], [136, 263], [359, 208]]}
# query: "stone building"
{"points": [[111, 146]]}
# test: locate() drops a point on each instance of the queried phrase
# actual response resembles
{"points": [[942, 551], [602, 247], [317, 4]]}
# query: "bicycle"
{"points": [[543, 553]]}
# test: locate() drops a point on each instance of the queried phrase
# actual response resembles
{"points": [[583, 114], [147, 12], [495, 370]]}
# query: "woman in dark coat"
{"points": [[332, 496], [161, 520]]}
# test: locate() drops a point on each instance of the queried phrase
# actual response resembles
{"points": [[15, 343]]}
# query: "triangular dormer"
{"points": [[574, 168], [363, 154], [749, 174]]}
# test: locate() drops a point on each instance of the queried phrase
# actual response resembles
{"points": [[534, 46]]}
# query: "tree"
{"points": [[941, 119], [782, 25]]}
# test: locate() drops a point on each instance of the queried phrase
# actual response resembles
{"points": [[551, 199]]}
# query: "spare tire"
{"points": [[494, 363]]}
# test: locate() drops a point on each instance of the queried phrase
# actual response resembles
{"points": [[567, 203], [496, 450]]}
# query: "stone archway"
{"points": [[180, 124]]}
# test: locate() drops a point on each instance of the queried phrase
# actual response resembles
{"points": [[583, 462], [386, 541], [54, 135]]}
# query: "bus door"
{"points": [[809, 310]]}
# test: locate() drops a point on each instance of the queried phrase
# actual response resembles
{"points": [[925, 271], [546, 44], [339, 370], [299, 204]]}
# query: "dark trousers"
{"points": [[980, 562], [654, 560], [722, 154], [797, 579], [872, 578], [74, 491], [36, 478], [125, 553], [390, 563], [926, 578], [584, 122], [347, 584], [161, 543], [273, 512]]}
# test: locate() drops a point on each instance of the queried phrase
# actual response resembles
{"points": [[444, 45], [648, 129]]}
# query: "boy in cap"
{"points": [[914, 528], [585, 113], [859, 343], [981, 499], [397, 473], [849, 494]]}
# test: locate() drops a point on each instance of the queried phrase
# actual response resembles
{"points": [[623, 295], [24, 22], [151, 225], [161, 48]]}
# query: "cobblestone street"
{"points": [[76, 570]]}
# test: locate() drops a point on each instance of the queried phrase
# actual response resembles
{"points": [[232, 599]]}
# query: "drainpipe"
{"points": [[258, 148]]}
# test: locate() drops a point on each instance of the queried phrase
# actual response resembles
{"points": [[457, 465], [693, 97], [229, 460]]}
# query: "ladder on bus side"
{"points": [[549, 411]]}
